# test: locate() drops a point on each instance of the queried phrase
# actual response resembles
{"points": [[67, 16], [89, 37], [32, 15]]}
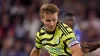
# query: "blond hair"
{"points": [[48, 9]]}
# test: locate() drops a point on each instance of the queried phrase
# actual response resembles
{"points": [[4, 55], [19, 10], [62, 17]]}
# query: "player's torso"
{"points": [[54, 42]]}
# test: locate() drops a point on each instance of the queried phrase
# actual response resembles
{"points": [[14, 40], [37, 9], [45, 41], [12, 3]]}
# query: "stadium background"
{"points": [[19, 21]]}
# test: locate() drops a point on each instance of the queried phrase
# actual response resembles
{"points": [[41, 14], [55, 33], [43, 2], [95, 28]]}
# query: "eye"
{"points": [[54, 20], [47, 20]]}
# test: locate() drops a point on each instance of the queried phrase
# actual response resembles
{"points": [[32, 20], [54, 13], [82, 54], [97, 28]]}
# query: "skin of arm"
{"points": [[99, 43], [35, 52], [76, 50], [89, 47]]}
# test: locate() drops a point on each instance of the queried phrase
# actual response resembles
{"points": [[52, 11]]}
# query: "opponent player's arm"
{"points": [[76, 50], [91, 46], [35, 52], [99, 43]]}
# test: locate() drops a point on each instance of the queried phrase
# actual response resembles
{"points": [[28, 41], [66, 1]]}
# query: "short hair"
{"points": [[49, 9], [70, 16]]}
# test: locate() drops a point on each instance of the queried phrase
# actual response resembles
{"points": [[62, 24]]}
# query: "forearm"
{"points": [[35, 52], [77, 54], [76, 50], [99, 43]]}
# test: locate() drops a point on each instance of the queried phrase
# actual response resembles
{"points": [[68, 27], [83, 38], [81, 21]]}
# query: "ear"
{"points": [[41, 19]]}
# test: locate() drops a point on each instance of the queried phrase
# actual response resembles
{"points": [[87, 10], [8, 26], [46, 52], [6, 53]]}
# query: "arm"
{"points": [[76, 50], [73, 44], [35, 52], [91, 46], [38, 45], [99, 43]]}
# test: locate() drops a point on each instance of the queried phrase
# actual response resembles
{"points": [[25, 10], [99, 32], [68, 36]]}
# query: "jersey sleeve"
{"points": [[70, 39], [38, 43]]}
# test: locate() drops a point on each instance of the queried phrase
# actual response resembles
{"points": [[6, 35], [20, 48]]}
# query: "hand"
{"points": [[84, 47], [89, 47]]}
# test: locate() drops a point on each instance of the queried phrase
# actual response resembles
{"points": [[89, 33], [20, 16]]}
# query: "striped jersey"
{"points": [[57, 42]]}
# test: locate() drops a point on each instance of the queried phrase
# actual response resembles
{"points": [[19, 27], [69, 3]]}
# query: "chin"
{"points": [[50, 30]]}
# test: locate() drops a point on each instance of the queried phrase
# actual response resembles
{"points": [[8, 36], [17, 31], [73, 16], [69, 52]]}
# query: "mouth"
{"points": [[50, 27]]}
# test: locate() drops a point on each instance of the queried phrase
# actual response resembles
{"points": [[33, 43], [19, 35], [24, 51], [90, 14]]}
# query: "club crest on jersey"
{"points": [[57, 40], [43, 42]]}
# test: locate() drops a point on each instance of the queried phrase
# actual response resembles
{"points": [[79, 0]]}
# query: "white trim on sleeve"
{"points": [[73, 43]]}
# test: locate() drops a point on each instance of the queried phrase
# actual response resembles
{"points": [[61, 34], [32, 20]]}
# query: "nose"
{"points": [[52, 23]]}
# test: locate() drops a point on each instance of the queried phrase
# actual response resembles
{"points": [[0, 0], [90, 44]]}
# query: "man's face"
{"points": [[50, 21], [70, 22]]}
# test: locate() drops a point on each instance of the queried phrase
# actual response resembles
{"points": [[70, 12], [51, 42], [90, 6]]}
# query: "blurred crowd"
{"points": [[19, 22]]}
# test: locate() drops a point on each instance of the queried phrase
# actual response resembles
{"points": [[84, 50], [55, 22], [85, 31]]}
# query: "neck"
{"points": [[50, 32]]}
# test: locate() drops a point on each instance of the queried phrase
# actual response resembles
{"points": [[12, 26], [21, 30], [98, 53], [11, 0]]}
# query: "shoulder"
{"points": [[63, 25], [67, 27], [41, 31]]}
